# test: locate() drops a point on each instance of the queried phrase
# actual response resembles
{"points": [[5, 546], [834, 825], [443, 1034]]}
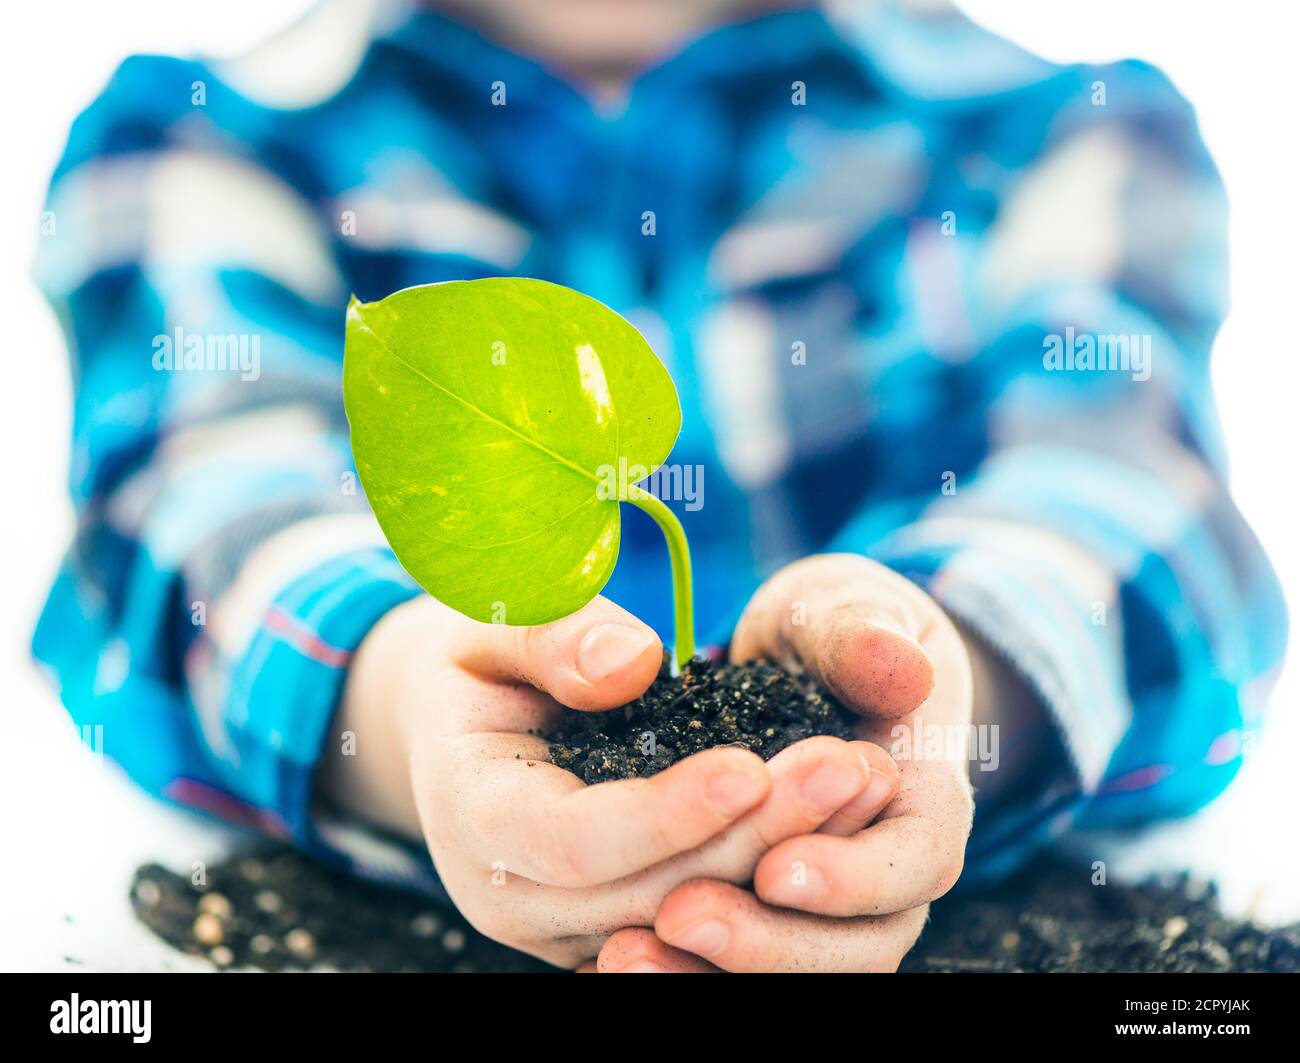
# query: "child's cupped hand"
{"points": [[531, 856], [840, 901]]}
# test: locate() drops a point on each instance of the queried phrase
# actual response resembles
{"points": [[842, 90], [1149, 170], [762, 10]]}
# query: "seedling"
{"points": [[487, 417]]}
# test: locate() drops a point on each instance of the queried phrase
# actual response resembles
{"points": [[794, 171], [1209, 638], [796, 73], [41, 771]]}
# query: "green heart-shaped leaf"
{"points": [[485, 417]]}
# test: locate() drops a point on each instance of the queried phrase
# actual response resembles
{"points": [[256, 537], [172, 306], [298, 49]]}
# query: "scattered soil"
{"points": [[1052, 918], [756, 705], [275, 910]]}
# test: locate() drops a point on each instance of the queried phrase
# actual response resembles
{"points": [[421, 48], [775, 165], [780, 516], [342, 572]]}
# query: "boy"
{"points": [[939, 313]]}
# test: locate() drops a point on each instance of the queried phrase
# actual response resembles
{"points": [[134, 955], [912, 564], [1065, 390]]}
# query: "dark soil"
{"points": [[756, 705], [276, 910], [1052, 918]]}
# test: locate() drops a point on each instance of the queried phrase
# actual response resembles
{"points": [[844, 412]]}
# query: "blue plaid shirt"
{"points": [[853, 236]]}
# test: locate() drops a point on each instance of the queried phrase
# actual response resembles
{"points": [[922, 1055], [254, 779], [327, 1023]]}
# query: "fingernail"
{"points": [[798, 889], [877, 791], [608, 648], [828, 788], [871, 800], [734, 792], [641, 967], [706, 938]]}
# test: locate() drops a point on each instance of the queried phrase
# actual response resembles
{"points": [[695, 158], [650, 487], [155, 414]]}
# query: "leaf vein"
{"points": [[479, 411]]}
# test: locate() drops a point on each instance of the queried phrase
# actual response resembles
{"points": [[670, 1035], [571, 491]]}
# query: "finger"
{"points": [[637, 951], [854, 625], [542, 823], [809, 782], [587, 968], [881, 788], [898, 863], [598, 658], [812, 781], [732, 929]]}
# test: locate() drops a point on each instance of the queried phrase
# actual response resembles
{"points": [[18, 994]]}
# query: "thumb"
{"points": [[854, 624], [598, 658]]}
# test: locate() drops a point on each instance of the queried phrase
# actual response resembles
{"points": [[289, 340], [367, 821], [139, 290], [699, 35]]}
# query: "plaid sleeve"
{"points": [[1090, 538], [225, 565]]}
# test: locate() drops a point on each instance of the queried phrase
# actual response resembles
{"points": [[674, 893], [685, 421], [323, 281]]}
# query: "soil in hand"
{"points": [[757, 705]]}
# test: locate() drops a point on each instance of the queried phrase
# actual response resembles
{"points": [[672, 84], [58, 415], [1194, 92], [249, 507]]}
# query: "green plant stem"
{"points": [[679, 554]]}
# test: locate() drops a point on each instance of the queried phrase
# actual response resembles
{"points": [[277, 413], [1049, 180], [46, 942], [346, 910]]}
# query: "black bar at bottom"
{"points": [[656, 1015]]}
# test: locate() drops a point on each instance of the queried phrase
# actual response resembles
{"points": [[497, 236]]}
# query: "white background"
{"points": [[71, 831]]}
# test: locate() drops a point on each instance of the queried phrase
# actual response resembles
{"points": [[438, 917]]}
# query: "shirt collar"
{"points": [[726, 52], [925, 49]]}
